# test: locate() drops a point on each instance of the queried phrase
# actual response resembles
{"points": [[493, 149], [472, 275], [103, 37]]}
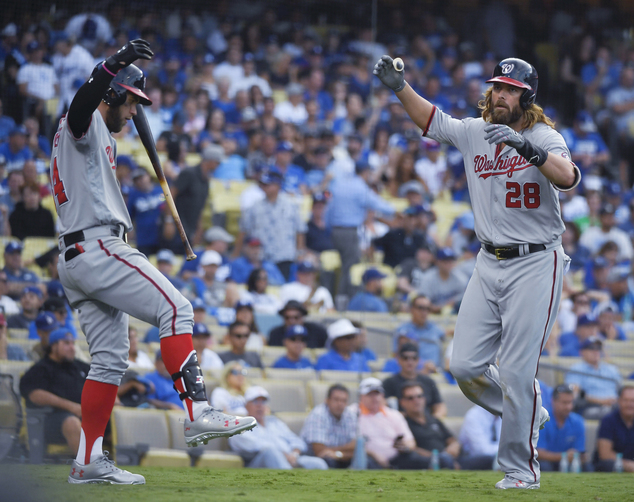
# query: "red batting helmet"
{"points": [[128, 79], [517, 72]]}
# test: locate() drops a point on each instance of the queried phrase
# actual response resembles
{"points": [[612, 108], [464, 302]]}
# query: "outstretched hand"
{"points": [[384, 69], [500, 133], [129, 53]]}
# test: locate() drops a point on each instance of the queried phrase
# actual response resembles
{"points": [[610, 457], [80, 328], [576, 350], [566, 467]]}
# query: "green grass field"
{"points": [[23, 483]]}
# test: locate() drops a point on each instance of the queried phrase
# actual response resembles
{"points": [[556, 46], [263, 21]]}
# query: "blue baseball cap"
{"points": [[467, 220], [586, 319], [198, 304], [46, 321], [166, 255], [594, 342], [33, 289], [445, 254], [200, 329], [241, 304], [54, 289], [284, 146], [600, 262], [60, 334], [271, 175], [320, 197], [20, 129], [306, 266], [361, 166], [414, 210], [13, 247], [297, 330], [371, 274]]}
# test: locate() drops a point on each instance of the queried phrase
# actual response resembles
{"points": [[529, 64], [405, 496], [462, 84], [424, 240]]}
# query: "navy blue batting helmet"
{"points": [[128, 79], [517, 72]]}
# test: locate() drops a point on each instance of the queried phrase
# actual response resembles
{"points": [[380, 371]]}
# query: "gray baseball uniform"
{"points": [[509, 305], [103, 277]]}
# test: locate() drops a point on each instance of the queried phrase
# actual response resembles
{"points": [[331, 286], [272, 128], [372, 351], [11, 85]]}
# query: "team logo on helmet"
{"points": [[507, 68]]}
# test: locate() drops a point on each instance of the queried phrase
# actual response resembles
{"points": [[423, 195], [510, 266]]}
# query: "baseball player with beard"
{"points": [[106, 279], [515, 163]]}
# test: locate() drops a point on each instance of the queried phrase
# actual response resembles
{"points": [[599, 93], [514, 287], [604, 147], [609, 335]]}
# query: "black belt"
{"points": [[75, 237], [512, 252]]}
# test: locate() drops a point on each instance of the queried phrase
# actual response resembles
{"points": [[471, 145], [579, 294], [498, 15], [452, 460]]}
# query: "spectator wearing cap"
{"points": [[7, 304], [564, 434], [216, 239], [57, 380], [29, 218], [425, 333], [402, 242], [30, 303], [462, 235], [48, 261], [294, 313], [191, 189], [443, 285], [9, 351], [409, 369], [272, 444], [163, 396], [293, 109], [137, 358], [237, 336], [330, 428], [15, 150], [145, 203], [62, 312], [207, 287], [318, 234], [295, 343], [571, 342], [165, 263], [586, 146], [305, 289], [44, 324], [207, 358], [594, 237], [390, 443], [351, 199], [12, 184], [616, 434], [342, 337], [607, 314], [596, 382], [275, 222], [369, 300], [597, 271], [233, 165], [252, 258], [346, 161], [294, 176]]}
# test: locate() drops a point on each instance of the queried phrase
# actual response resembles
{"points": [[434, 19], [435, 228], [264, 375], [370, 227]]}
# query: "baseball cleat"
{"points": [[103, 470], [215, 424], [544, 417], [509, 483]]}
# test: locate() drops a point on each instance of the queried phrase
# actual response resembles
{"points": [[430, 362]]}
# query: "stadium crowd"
{"points": [[338, 204]]}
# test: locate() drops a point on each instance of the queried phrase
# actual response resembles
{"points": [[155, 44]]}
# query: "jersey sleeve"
{"points": [[446, 129], [553, 142]]}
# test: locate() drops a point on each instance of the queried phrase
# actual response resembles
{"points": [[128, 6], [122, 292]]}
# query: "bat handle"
{"points": [[398, 64]]}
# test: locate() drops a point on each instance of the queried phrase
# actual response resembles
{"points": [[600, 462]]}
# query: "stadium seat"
{"points": [[317, 391], [16, 369], [285, 395], [330, 260], [147, 432], [18, 334], [305, 375], [271, 354], [342, 376], [457, 403], [294, 420]]}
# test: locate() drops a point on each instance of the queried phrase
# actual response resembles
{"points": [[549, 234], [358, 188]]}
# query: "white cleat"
{"points": [[509, 483], [103, 470], [544, 417], [215, 424]]}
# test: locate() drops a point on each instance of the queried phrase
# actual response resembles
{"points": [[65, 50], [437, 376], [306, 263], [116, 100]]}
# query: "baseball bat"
{"points": [[143, 128], [398, 64]]}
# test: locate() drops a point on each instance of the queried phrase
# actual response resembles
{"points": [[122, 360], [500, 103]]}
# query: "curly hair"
{"points": [[533, 114]]}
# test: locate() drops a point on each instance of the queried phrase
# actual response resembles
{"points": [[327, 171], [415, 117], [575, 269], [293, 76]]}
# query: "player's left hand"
{"points": [[500, 133]]}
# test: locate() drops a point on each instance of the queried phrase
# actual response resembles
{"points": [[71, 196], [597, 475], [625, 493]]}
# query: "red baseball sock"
{"points": [[97, 400], [175, 350]]}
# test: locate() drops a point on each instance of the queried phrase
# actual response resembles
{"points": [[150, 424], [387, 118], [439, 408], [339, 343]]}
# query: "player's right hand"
{"points": [[129, 53], [384, 69]]}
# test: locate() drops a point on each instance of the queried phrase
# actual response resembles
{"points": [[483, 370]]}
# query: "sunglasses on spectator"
{"points": [[416, 396], [292, 317], [409, 358], [240, 336], [297, 339], [237, 371]]}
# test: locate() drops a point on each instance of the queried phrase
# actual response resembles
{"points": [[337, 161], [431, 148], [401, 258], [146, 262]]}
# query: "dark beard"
{"points": [[114, 122], [506, 117]]}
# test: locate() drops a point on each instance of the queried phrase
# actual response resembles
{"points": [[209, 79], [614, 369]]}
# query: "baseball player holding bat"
{"points": [[106, 279], [515, 163]]}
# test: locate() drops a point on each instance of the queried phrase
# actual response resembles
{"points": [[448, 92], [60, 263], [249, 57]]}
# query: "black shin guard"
{"points": [[192, 376]]}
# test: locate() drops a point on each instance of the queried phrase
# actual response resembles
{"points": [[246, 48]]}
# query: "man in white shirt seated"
{"points": [[480, 439], [306, 290], [272, 445]]}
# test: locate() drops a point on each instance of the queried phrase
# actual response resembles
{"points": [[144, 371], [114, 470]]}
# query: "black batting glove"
{"points": [[501, 133], [384, 69], [128, 54]]}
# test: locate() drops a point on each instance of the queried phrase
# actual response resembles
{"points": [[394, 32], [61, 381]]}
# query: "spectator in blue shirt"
{"points": [[587, 148], [165, 264], [616, 434], [369, 300], [18, 277], [342, 337], [144, 205], [232, 166], [362, 342], [587, 327], [295, 343], [15, 150], [318, 235], [162, 395], [427, 334], [294, 176], [252, 258], [564, 434]]}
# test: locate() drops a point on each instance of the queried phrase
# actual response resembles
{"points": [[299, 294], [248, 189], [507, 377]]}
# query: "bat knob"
{"points": [[398, 64]]}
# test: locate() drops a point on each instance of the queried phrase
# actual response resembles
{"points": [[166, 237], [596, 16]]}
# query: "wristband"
{"points": [[532, 153]]}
